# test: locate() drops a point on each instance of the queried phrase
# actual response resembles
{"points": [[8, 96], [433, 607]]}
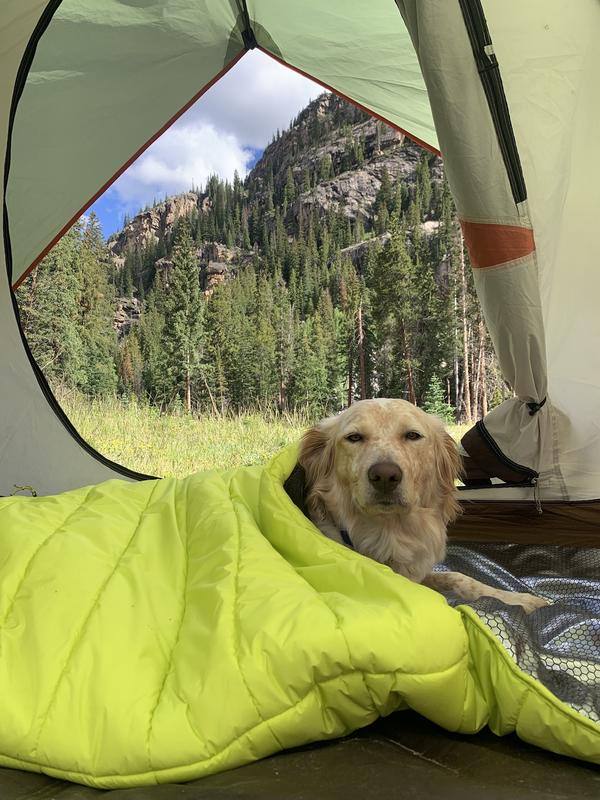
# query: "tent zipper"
{"points": [[489, 72]]}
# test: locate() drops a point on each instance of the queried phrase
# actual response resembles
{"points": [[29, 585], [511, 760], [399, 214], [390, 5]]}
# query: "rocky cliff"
{"points": [[337, 156], [332, 159], [354, 147], [150, 226]]}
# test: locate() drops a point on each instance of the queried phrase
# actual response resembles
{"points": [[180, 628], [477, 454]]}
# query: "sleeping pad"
{"points": [[164, 630]]}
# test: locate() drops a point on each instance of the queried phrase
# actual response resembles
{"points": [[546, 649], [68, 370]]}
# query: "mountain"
{"points": [[332, 137], [333, 159]]}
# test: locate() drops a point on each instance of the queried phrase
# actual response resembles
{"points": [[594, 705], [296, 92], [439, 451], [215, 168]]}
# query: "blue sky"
{"points": [[225, 131]]}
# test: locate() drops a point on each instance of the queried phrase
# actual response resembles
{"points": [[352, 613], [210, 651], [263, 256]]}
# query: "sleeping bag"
{"points": [[164, 630]]}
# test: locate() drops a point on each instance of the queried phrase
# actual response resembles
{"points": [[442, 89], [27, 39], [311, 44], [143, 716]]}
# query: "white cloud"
{"points": [[255, 98], [185, 156], [216, 136]]}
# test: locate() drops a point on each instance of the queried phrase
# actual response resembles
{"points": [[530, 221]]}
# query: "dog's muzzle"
{"points": [[385, 477]]}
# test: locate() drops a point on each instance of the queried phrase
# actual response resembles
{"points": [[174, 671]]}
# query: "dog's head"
{"points": [[382, 457]]}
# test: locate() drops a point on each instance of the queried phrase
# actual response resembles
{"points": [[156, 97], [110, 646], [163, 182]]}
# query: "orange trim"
{"points": [[350, 100], [126, 165], [491, 244]]}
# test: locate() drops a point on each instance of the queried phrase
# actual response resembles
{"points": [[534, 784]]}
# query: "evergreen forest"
{"points": [[334, 271]]}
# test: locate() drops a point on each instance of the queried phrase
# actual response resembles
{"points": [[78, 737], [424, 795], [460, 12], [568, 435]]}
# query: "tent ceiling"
{"points": [[108, 75]]}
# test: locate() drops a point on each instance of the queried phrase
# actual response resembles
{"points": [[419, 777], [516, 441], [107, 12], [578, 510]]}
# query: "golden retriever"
{"points": [[380, 477]]}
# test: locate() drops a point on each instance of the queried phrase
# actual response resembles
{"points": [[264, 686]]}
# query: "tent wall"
{"points": [[360, 50], [35, 447], [550, 66], [106, 77], [491, 201]]}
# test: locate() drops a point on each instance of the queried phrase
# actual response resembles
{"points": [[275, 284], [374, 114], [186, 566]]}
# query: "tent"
{"points": [[505, 91], [94, 83]]}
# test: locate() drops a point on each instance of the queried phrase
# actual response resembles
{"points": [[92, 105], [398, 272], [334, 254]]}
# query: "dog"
{"points": [[381, 478]]}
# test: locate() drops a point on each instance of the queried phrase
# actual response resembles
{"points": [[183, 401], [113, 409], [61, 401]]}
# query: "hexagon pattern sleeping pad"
{"points": [[168, 629]]}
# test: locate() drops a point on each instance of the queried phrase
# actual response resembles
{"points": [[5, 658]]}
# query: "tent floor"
{"points": [[403, 756]]}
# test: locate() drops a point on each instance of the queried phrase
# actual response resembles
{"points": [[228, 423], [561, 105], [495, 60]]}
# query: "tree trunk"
{"points": [[484, 398], [188, 392], [361, 355], [412, 397], [350, 371], [477, 389], [210, 394], [456, 375], [466, 371]]}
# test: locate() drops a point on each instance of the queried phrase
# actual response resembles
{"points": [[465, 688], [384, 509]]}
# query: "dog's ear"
{"points": [[448, 469], [317, 453]]}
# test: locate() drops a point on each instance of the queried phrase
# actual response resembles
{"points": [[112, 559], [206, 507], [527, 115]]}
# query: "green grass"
{"points": [[144, 439]]}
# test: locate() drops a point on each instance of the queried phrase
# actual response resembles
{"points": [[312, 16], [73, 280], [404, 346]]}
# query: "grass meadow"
{"points": [[176, 444]]}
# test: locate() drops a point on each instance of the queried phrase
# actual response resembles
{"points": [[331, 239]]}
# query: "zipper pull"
{"points": [[536, 496]]}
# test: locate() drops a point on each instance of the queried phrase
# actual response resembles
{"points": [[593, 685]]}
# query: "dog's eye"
{"points": [[354, 437], [413, 436]]}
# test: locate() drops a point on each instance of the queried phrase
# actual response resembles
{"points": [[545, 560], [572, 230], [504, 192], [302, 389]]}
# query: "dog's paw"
{"points": [[529, 602]]}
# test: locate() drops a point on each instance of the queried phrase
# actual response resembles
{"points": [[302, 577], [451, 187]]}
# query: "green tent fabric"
{"points": [[164, 630]]}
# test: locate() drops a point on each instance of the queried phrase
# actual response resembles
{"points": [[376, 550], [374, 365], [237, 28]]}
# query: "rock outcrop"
{"points": [[354, 189], [127, 313], [357, 253], [148, 227]]}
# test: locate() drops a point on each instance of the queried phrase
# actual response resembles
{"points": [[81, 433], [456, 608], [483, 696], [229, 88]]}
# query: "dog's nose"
{"points": [[384, 476]]}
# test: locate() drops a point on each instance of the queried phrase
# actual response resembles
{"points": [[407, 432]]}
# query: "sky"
{"points": [[226, 130]]}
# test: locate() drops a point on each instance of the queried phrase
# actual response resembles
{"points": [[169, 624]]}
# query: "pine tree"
{"points": [[182, 335], [265, 344], [131, 366], [49, 302], [325, 168], [96, 314], [423, 188], [150, 333], [306, 180], [289, 192], [435, 403], [396, 305], [283, 324]]}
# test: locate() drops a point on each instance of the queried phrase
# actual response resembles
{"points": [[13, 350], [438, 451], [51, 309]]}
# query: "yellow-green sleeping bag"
{"points": [[168, 629]]}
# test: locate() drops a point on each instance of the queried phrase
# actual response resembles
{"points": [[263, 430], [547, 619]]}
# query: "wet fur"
{"points": [[409, 534]]}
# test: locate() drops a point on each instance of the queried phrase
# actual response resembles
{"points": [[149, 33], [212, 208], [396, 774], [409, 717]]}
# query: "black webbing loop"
{"points": [[535, 407], [248, 36]]}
